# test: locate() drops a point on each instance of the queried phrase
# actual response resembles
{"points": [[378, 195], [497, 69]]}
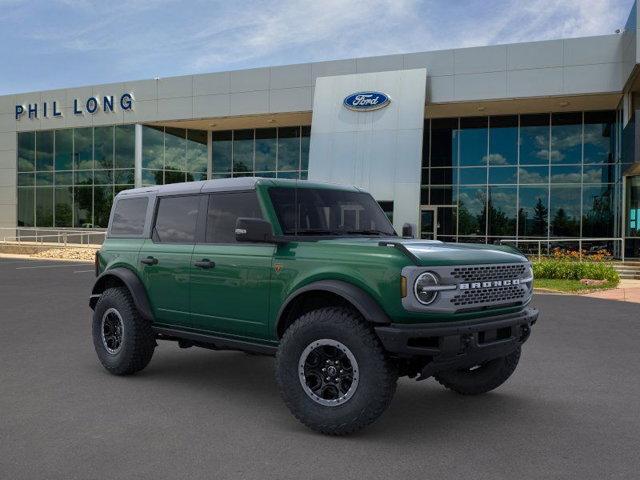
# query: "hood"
{"points": [[434, 253]]}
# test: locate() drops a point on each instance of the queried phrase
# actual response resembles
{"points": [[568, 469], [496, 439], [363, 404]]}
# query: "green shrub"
{"points": [[569, 270]]}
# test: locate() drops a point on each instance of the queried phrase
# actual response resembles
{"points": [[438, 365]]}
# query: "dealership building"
{"points": [[533, 143]]}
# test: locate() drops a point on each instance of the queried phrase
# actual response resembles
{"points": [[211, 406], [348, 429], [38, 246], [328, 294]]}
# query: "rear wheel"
{"points": [[480, 378], [123, 340], [333, 373]]}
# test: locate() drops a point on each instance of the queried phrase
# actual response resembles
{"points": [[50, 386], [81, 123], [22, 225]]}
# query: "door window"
{"points": [[224, 209], [176, 219]]}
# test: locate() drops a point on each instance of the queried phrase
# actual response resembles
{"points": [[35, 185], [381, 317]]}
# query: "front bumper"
{"points": [[447, 346]]}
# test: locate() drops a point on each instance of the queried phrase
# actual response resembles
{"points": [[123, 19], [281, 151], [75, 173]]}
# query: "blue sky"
{"points": [[47, 44]]}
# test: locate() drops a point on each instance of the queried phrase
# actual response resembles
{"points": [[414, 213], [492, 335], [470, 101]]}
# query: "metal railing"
{"points": [[52, 236], [544, 247]]}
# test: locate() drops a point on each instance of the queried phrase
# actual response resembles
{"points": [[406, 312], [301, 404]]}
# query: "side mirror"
{"points": [[254, 230], [407, 230]]}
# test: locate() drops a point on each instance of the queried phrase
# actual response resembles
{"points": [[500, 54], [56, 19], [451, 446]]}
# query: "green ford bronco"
{"points": [[316, 275]]}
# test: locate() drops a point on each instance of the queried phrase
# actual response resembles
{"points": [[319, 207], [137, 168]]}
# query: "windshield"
{"points": [[318, 211]]}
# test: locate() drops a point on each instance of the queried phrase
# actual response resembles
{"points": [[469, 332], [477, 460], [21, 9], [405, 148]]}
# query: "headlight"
{"points": [[425, 288]]}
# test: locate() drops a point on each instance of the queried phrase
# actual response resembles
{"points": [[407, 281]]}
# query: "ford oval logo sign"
{"points": [[366, 101]]}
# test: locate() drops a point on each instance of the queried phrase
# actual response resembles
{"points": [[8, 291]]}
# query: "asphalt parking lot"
{"points": [[570, 411]]}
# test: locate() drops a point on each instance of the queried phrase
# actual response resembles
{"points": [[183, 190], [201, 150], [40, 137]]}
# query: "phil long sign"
{"points": [[91, 105], [366, 101]]}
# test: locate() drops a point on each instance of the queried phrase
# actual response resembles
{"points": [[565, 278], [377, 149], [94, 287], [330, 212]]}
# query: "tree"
{"points": [[540, 219]]}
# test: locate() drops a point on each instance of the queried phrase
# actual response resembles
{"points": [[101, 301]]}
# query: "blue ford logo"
{"points": [[366, 101]]}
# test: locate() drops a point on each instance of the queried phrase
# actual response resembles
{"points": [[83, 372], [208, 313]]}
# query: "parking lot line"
{"points": [[84, 271], [52, 266]]}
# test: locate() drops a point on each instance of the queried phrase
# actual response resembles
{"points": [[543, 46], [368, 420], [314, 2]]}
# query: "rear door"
{"points": [[230, 281], [165, 258]]}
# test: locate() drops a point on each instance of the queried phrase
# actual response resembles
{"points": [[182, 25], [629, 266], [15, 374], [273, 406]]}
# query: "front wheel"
{"points": [[480, 378], [333, 373]]}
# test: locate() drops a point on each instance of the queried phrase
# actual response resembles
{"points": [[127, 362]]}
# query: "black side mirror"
{"points": [[407, 230], [254, 230]]}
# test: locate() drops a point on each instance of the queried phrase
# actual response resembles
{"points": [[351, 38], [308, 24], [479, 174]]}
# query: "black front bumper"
{"points": [[446, 346]]}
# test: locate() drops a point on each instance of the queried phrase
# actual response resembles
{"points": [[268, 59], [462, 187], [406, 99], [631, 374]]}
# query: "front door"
{"points": [[428, 222], [230, 282], [165, 259]]}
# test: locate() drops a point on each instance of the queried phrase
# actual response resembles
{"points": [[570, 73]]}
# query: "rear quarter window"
{"points": [[129, 216]]}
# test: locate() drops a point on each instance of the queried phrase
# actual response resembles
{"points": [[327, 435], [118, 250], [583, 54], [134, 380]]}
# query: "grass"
{"points": [[569, 286]]}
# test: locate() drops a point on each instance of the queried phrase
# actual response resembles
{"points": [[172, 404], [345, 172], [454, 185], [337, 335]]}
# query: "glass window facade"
{"points": [[68, 177], [172, 155], [537, 176], [281, 152]]}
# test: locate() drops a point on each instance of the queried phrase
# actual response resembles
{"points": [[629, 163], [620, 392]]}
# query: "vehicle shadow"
{"points": [[419, 409]]}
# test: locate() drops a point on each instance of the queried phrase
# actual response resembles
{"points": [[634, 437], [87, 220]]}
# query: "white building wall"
{"points": [[379, 150]]}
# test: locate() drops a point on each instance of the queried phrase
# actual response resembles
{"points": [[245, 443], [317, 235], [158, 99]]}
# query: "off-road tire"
{"points": [[483, 379], [377, 374], [138, 341]]}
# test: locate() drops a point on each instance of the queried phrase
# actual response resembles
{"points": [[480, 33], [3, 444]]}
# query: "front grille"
{"points": [[488, 272], [495, 295]]}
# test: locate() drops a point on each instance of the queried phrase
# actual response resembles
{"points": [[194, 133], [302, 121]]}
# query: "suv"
{"points": [[315, 275]]}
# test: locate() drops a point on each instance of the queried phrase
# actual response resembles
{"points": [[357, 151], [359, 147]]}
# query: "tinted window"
{"points": [[176, 219], [224, 209], [328, 212], [128, 216]]}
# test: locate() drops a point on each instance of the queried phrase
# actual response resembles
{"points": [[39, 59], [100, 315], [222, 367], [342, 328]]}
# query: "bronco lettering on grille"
{"points": [[494, 283]]}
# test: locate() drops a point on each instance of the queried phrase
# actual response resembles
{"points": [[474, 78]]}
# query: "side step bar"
{"points": [[214, 342]]}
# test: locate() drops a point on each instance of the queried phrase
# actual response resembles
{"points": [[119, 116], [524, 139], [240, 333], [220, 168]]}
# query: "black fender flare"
{"points": [[133, 284], [361, 300]]}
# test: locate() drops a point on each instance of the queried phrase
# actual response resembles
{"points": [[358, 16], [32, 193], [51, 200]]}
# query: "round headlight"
{"points": [[423, 288]]}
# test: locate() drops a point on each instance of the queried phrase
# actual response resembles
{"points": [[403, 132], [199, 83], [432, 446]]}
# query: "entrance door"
{"points": [[428, 223]]}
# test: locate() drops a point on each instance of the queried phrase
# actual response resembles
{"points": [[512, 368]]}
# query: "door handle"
{"points": [[205, 263], [149, 261]]}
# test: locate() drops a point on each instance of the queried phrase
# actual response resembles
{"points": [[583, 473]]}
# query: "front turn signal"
{"points": [[403, 286]]}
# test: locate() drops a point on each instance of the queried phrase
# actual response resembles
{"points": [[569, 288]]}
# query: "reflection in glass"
{"points": [[566, 174], [599, 141], [197, 153], [304, 149], [534, 139], [152, 147], [566, 138], [501, 211], [266, 146], [564, 212], [44, 150], [26, 151], [473, 141], [63, 159], [242, 151], [102, 200], [222, 147], [288, 148], [83, 148], [503, 140], [63, 206], [533, 214], [82, 203], [597, 211], [473, 176], [103, 147], [443, 176], [125, 146], [604, 173], [534, 175], [443, 196], [503, 175], [471, 211], [44, 206], [175, 149]]}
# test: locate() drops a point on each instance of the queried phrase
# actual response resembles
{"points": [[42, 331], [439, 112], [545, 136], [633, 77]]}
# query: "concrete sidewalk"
{"points": [[627, 291]]}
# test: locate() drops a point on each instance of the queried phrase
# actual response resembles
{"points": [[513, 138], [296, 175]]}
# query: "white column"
{"points": [[209, 155], [138, 156]]}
